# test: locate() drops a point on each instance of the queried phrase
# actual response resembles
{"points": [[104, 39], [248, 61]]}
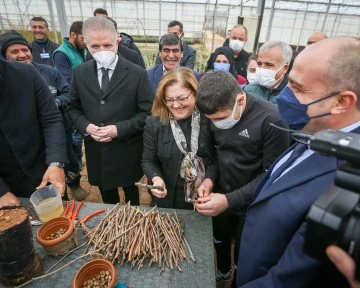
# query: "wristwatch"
{"points": [[57, 164]]}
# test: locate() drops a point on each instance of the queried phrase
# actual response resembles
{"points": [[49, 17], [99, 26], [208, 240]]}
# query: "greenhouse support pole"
{"points": [[326, 15], [159, 19], [302, 26], [81, 11], [336, 18], [261, 8], [60, 7], [213, 28], [2, 24], [52, 20], [271, 18]]}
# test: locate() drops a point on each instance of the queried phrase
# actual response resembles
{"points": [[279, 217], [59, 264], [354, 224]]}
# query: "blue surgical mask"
{"points": [[222, 66], [292, 112]]}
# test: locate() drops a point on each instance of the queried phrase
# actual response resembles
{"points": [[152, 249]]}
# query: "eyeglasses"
{"points": [[180, 99]]}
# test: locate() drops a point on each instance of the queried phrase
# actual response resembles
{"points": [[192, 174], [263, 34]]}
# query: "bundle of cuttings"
{"points": [[137, 236]]}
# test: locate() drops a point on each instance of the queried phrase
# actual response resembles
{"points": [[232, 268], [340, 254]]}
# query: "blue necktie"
{"points": [[297, 152]]}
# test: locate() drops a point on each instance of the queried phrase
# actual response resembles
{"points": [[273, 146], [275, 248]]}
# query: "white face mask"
{"points": [[266, 77], [229, 122], [236, 45], [104, 58], [252, 77]]}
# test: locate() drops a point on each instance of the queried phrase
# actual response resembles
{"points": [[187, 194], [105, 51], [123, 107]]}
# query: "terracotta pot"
{"points": [[92, 269], [53, 226]]}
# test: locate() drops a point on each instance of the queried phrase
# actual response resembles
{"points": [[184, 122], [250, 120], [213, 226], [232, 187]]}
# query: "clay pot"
{"points": [[62, 244], [92, 269]]}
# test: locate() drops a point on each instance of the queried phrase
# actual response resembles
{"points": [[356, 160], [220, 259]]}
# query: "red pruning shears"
{"points": [[72, 212]]}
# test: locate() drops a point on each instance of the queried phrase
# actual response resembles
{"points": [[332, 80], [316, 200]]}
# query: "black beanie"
{"points": [[11, 38]]}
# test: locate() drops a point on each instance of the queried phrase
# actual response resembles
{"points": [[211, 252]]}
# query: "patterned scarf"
{"points": [[192, 166]]}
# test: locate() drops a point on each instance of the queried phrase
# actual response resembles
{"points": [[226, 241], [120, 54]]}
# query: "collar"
{"points": [[112, 66], [42, 42], [351, 127], [164, 70]]}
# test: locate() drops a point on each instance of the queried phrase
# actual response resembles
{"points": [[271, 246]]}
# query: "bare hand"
{"points": [[56, 176], [212, 205], [157, 181], [9, 199], [109, 131], [102, 134], [205, 188], [344, 263]]}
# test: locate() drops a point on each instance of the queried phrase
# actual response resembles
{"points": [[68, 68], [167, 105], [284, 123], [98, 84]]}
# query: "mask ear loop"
{"points": [[323, 98], [234, 109]]}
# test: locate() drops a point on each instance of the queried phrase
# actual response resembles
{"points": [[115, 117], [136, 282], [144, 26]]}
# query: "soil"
{"points": [[11, 217]]}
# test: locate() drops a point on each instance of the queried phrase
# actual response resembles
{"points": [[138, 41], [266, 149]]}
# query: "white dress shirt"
{"points": [[308, 152], [111, 69]]}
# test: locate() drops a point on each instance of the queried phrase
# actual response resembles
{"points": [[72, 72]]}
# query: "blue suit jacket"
{"points": [[155, 73], [271, 252]]}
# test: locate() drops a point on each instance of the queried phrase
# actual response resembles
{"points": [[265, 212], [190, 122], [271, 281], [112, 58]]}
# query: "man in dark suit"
{"points": [[271, 251], [171, 53], [32, 137], [189, 53], [110, 98]]}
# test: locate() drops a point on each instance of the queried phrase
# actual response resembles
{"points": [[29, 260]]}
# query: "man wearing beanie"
{"points": [[14, 47], [42, 48]]}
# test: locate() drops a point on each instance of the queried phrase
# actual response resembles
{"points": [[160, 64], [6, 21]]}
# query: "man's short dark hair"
{"points": [[176, 23], [40, 19], [100, 11], [170, 39], [217, 92], [76, 27], [113, 21]]}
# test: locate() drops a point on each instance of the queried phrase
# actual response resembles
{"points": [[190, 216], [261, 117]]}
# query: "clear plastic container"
{"points": [[47, 203]]}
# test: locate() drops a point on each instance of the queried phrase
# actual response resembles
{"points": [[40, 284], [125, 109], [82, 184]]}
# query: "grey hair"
{"points": [[286, 51], [98, 23], [240, 26]]}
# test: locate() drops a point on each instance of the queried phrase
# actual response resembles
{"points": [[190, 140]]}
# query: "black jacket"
{"points": [[228, 53], [128, 41], [31, 124], [131, 55], [126, 103], [162, 157], [248, 149], [241, 61], [36, 52]]}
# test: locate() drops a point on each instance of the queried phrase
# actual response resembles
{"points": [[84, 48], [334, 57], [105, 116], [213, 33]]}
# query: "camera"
{"points": [[334, 218]]}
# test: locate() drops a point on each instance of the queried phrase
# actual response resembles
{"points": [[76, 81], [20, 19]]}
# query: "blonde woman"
{"points": [[179, 154]]}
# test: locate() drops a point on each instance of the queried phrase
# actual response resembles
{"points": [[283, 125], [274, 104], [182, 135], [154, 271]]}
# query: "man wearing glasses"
{"points": [[171, 52]]}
